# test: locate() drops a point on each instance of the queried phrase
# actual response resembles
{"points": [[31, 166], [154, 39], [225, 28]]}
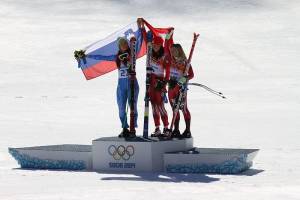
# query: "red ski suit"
{"points": [[176, 72], [161, 72]]}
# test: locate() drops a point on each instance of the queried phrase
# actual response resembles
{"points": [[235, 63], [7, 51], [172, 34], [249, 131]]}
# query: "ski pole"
{"points": [[220, 94], [207, 88]]}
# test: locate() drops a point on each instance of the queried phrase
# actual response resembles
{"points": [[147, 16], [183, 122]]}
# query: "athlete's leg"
{"points": [[122, 95]]}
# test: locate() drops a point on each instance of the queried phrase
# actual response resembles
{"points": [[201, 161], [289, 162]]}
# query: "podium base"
{"points": [[138, 154]]}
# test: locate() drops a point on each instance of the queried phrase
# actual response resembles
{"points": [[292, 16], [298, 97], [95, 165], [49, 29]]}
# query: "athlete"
{"points": [[177, 80], [123, 89], [160, 64]]}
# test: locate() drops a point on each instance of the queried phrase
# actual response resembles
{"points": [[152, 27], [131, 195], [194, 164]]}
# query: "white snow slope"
{"points": [[247, 49]]}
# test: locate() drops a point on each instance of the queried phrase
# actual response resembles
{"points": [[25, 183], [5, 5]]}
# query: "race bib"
{"points": [[157, 69], [175, 73], [123, 73]]}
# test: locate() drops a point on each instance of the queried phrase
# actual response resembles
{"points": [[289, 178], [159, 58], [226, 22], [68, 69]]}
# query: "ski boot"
{"points": [[131, 134], [156, 133], [125, 133], [176, 133], [167, 133], [186, 134]]}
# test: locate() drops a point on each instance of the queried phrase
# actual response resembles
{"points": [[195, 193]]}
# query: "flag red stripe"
{"points": [[99, 69]]}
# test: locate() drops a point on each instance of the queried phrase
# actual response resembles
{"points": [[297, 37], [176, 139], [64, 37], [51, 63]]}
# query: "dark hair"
{"points": [[158, 54], [118, 61]]}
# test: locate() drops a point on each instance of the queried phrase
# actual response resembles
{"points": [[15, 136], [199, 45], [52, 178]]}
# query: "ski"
{"points": [[132, 76], [183, 88], [148, 74]]}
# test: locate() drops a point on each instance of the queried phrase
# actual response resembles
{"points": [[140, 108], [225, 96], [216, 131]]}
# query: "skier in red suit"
{"points": [[178, 64], [160, 64]]}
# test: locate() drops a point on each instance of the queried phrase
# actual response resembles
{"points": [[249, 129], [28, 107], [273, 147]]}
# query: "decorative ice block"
{"points": [[209, 160], [66, 156]]}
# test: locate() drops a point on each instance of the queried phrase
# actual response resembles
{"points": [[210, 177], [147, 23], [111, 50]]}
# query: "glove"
{"points": [[172, 83], [79, 54], [140, 23], [130, 71], [182, 80], [160, 85], [168, 35]]}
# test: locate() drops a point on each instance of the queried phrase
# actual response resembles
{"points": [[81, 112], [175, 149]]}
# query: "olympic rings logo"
{"points": [[121, 152]]}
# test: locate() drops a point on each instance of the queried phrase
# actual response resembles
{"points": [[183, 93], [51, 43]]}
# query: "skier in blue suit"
{"points": [[123, 89]]}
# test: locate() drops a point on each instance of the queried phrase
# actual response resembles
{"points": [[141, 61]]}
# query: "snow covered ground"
{"points": [[247, 49]]}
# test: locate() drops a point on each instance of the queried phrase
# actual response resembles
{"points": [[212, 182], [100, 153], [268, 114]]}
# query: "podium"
{"points": [[137, 154], [130, 155]]}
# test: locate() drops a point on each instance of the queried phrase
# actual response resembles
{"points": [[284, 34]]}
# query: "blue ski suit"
{"points": [[123, 95]]}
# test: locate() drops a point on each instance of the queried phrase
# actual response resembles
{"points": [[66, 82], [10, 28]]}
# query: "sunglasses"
{"points": [[123, 56]]}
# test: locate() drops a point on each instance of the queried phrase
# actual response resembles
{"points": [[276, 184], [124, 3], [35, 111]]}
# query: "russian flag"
{"points": [[101, 55]]}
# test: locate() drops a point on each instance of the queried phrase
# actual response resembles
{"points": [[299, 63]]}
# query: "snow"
{"points": [[247, 49]]}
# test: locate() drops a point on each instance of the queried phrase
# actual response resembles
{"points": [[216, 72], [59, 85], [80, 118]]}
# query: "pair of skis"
{"points": [[148, 75], [132, 77]]}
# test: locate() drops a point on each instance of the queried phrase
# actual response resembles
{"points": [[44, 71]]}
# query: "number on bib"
{"points": [[122, 73]]}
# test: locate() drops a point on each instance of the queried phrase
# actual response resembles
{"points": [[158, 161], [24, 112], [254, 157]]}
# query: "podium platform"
{"points": [[113, 154], [137, 154]]}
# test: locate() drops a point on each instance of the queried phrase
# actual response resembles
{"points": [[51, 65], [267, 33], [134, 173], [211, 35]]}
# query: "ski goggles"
{"points": [[123, 56]]}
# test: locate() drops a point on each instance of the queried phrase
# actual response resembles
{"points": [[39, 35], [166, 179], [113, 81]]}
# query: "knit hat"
{"points": [[158, 40]]}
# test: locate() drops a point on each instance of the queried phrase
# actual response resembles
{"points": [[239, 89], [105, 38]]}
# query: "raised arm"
{"points": [[140, 23]]}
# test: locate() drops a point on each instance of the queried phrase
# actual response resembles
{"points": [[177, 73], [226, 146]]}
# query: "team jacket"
{"points": [[160, 69], [177, 69]]}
